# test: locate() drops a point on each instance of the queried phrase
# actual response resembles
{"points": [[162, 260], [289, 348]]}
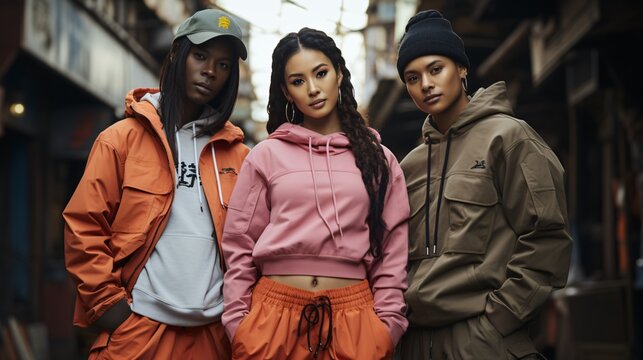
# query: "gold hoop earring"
{"points": [[290, 119], [340, 95], [465, 85]]}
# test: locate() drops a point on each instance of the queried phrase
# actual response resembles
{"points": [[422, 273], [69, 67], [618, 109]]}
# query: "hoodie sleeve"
{"points": [[88, 217], [248, 215], [535, 207], [387, 275]]}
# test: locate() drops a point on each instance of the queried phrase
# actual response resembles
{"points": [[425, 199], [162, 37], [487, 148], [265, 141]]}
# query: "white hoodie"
{"points": [[181, 282]]}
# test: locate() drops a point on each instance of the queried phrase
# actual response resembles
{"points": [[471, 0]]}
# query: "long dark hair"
{"points": [[173, 88], [369, 156]]}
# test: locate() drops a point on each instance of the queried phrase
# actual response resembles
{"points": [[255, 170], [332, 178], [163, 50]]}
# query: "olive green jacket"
{"points": [[495, 237]]}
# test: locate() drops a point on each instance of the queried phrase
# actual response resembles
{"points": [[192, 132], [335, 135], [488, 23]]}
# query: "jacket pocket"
{"points": [[417, 198], [145, 186], [471, 201]]}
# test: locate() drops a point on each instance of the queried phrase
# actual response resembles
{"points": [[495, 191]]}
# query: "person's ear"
{"points": [[462, 71], [340, 77]]}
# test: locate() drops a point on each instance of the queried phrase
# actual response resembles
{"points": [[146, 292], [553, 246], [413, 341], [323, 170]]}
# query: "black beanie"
{"points": [[429, 33]]}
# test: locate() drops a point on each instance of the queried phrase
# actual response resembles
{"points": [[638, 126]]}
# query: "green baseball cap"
{"points": [[210, 23]]}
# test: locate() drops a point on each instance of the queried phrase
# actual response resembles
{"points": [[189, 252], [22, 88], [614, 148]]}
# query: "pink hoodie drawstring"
{"points": [[332, 189], [312, 171]]}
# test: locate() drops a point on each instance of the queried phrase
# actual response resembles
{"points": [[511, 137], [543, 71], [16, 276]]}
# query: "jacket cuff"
{"points": [[502, 318], [102, 308]]}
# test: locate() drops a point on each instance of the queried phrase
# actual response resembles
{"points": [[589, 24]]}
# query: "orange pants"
{"points": [[140, 337], [347, 329]]}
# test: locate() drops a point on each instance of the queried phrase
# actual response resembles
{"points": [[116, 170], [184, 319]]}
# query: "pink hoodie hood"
{"points": [[298, 134]]}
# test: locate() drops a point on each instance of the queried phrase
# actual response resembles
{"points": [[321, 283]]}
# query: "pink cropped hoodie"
{"points": [[300, 207]]}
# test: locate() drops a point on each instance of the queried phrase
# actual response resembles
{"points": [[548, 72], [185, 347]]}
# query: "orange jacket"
{"points": [[121, 205]]}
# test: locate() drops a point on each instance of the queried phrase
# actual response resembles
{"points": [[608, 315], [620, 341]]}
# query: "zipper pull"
{"points": [[427, 251], [435, 248]]}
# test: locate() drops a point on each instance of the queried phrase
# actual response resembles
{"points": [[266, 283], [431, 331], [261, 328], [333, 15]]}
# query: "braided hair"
{"points": [[369, 156]]}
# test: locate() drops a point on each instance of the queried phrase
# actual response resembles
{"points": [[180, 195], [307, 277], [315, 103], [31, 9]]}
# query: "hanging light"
{"points": [[17, 109]]}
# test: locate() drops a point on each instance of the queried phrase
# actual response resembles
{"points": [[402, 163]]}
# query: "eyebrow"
{"points": [[209, 49], [426, 67], [313, 70]]}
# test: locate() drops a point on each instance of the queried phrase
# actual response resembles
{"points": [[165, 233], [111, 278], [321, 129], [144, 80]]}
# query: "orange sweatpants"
{"points": [[275, 329], [140, 337]]}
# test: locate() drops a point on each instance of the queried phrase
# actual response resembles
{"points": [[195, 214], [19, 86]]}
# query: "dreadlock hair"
{"points": [[173, 93], [369, 156]]}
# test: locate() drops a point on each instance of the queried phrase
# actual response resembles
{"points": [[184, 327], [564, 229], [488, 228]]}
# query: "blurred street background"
{"points": [[572, 72]]}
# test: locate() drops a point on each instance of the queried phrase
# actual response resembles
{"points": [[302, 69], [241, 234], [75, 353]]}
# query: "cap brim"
{"points": [[201, 37]]}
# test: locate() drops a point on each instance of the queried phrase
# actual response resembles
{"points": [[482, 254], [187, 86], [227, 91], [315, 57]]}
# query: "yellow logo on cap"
{"points": [[224, 22]]}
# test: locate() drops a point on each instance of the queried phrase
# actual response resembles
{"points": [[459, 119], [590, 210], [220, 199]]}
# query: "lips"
{"points": [[203, 87], [432, 99], [317, 104]]}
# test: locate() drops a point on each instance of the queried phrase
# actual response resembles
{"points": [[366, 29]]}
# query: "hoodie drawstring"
{"points": [[216, 173], [332, 189], [178, 154], [440, 194], [196, 160], [428, 199], [312, 171]]}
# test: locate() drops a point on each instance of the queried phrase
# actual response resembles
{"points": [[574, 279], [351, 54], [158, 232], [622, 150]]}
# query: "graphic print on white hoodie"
{"points": [[182, 280]]}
